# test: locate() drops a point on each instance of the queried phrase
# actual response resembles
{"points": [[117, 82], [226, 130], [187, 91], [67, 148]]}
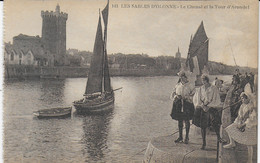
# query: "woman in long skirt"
{"points": [[182, 108], [244, 128]]}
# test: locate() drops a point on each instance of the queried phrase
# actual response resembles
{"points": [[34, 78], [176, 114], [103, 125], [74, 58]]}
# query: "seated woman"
{"points": [[244, 128]]}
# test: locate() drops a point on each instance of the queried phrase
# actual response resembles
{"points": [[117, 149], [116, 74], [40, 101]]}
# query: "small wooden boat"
{"points": [[53, 112]]}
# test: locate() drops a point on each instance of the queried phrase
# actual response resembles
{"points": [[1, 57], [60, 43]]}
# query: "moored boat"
{"points": [[98, 93], [53, 112], [94, 105]]}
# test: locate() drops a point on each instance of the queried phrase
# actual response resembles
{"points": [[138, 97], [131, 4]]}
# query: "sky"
{"points": [[154, 31]]}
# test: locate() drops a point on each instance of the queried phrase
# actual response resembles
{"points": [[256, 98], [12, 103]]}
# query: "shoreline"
{"points": [[29, 72]]}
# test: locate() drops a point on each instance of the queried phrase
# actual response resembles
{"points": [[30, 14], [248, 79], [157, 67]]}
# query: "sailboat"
{"points": [[99, 94], [197, 59]]}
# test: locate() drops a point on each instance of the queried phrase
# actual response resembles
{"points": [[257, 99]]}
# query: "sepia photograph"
{"points": [[122, 81]]}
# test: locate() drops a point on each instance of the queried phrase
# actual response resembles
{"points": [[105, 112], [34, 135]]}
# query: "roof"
{"points": [[25, 37], [40, 53], [8, 47], [37, 50]]}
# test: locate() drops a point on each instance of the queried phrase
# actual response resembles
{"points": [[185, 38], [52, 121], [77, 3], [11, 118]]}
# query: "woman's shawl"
{"points": [[209, 96]]}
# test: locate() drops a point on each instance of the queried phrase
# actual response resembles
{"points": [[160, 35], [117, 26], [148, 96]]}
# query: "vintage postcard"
{"points": [[130, 81]]}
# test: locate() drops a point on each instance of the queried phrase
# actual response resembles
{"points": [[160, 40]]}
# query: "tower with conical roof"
{"points": [[54, 33], [178, 54]]}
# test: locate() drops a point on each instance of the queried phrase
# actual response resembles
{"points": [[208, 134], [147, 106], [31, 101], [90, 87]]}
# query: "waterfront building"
{"points": [[27, 50], [72, 51], [168, 62], [48, 50]]}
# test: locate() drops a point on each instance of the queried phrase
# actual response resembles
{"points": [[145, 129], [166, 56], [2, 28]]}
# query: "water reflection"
{"points": [[95, 131], [141, 112], [52, 91]]}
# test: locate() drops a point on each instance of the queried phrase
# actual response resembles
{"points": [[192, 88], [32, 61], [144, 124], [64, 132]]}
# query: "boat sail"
{"points": [[197, 59], [107, 83], [198, 48], [98, 93]]}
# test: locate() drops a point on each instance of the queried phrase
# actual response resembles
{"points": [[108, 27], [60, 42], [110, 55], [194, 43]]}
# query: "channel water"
{"points": [[141, 111]]}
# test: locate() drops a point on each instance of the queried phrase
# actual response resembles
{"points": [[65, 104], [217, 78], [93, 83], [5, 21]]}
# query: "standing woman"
{"points": [[244, 128], [182, 108], [205, 100]]}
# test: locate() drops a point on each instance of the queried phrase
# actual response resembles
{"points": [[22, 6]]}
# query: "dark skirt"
{"points": [[188, 110], [204, 119]]}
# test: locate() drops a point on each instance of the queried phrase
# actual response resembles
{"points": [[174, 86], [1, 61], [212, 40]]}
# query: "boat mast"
{"points": [[232, 51], [188, 61], [102, 63]]}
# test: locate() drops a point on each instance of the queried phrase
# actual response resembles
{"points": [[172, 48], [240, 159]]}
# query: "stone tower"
{"points": [[178, 54], [54, 34]]}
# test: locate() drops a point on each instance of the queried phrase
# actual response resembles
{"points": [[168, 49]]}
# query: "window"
{"points": [[12, 56]]}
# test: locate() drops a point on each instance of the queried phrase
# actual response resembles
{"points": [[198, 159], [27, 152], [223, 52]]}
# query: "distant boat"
{"points": [[98, 93], [197, 59], [53, 112]]}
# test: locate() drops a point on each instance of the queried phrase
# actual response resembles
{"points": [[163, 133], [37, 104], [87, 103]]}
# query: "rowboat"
{"points": [[53, 112]]}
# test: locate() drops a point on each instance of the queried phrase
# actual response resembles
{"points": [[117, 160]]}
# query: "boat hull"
{"points": [[54, 113], [94, 107]]}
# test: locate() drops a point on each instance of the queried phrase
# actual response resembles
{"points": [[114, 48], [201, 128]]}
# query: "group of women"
{"points": [[202, 106]]}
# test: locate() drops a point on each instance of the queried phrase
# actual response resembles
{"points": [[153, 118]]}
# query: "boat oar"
{"points": [[231, 105], [117, 89]]}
